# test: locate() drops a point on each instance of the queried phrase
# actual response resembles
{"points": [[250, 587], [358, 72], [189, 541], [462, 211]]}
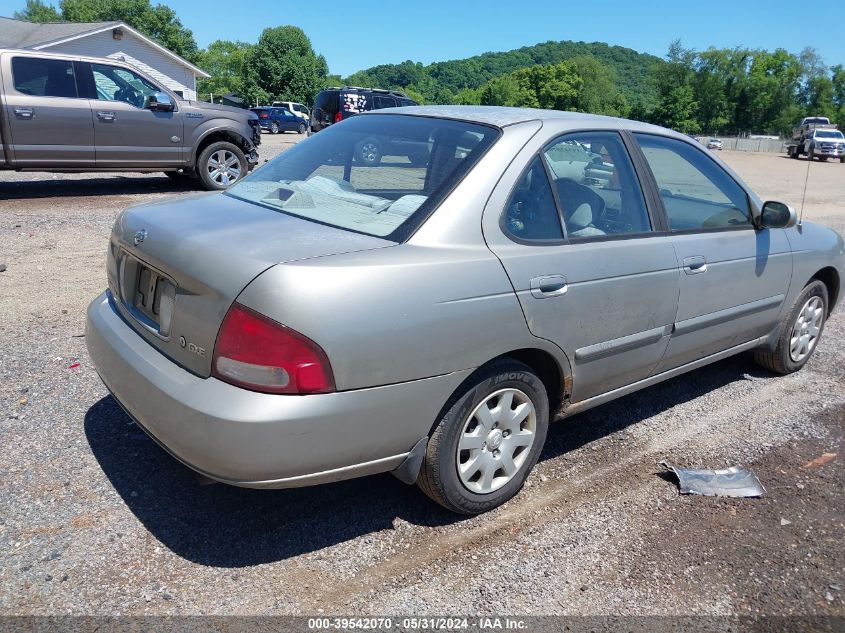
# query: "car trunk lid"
{"points": [[175, 267]]}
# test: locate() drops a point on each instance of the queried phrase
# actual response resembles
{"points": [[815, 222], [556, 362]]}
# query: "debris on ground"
{"points": [[2, 268], [785, 522], [729, 482], [821, 460]]}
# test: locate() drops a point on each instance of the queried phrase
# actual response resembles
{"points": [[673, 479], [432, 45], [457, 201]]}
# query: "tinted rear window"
{"points": [[377, 174], [44, 77], [327, 101]]}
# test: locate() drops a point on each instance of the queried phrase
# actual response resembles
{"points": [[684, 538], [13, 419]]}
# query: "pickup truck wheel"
{"points": [[811, 154], [274, 128], [842, 159], [800, 331], [487, 442], [795, 152], [220, 165]]}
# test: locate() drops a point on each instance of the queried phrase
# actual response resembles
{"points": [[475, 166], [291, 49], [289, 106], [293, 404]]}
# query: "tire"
{"points": [[221, 154], [804, 317], [368, 152], [811, 154], [274, 127], [842, 159], [301, 129], [488, 485], [823, 159]]}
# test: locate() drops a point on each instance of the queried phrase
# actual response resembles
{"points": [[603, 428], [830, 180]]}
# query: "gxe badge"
{"points": [[140, 236]]}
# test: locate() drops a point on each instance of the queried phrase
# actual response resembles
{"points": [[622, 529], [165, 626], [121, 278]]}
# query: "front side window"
{"points": [[329, 177], [44, 77], [596, 186], [696, 192], [114, 83], [531, 212]]}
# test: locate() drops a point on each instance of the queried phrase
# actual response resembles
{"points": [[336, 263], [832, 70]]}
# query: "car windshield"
{"points": [[376, 174], [829, 134]]}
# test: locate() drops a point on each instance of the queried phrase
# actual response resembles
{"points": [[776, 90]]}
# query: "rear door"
{"points": [[50, 124], [288, 121], [734, 278], [592, 268], [126, 133]]}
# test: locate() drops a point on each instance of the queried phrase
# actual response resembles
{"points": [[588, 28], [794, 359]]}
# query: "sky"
{"points": [[353, 35]]}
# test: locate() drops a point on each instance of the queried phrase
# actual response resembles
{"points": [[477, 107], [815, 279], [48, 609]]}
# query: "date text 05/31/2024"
{"points": [[415, 624]]}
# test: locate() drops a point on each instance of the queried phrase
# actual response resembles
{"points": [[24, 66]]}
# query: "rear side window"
{"points": [[531, 212], [383, 102], [44, 77], [326, 101], [597, 189], [696, 192]]}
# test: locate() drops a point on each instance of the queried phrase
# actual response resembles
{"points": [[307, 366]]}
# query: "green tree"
{"points": [[225, 61], [676, 105], [598, 93], [37, 11], [283, 65]]}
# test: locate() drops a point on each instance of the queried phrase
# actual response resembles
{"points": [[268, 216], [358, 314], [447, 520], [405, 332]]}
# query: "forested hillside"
{"points": [[442, 82]]}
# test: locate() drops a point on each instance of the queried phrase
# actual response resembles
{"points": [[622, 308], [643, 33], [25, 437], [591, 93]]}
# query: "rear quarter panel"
{"points": [[397, 314]]}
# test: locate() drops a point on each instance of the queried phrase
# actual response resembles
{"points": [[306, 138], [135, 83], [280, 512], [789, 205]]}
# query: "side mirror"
{"points": [[159, 102], [777, 215]]}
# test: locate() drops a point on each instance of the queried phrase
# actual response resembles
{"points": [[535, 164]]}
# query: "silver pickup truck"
{"points": [[61, 113]]}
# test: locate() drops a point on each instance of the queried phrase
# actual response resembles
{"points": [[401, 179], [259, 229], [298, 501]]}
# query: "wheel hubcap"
{"points": [[224, 168], [369, 152], [496, 440], [805, 332]]}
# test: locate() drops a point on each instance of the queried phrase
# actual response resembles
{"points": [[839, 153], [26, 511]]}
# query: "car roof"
{"points": [[501, 116]]}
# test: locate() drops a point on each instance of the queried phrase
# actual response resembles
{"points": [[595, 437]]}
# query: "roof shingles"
{"points": [[21, 34]]}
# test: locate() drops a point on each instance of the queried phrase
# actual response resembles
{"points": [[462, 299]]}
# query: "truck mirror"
{"points": [[159, 102]]}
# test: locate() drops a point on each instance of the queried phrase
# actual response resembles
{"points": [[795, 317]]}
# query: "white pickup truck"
{"points": [[818, 138]]}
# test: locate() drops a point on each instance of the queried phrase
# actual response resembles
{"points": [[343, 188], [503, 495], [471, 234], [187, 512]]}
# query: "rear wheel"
{"points": [[794, 152], [811, 154], [368, 152], [486, 444], [800, 331], [220, 165]]}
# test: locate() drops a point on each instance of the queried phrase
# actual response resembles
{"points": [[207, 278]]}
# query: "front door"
{"points": [[734, 278], [50, 124], [126, 133], [601, 284]]}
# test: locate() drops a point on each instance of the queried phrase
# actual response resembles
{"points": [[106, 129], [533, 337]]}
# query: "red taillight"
{"points": [[263, 115], [255, 352], [338, 116]]}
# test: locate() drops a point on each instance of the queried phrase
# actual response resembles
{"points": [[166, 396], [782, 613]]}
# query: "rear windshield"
{"points": [[377, 174]]}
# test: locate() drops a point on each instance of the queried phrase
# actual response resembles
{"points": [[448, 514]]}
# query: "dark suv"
{"points": [[336, 104], [332, 105]]}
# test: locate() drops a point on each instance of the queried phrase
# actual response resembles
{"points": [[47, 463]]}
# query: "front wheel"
{"points": [[800, 331], [368, 152], [486, 444], [302, 128], [220, 165], [274, 128]]}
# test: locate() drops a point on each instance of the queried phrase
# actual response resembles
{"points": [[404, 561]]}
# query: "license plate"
{"points": [[148, 295]]}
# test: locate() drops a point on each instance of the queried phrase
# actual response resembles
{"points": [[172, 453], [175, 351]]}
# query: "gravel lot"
{"points": [[96, 519]]}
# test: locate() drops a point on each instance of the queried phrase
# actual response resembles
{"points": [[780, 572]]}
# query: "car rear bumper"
{"points": [[260, 440]]}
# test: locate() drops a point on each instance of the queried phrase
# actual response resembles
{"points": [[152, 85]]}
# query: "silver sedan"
{"points": [[328, 318]]}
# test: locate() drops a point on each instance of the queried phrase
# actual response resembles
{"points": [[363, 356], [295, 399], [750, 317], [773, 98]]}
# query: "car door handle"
{"points": [[548, 286], [24, 113], [695, 265], [105, 116]]}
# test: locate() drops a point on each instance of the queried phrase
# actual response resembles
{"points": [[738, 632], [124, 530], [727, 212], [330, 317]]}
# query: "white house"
{"points": [[105, 39]]}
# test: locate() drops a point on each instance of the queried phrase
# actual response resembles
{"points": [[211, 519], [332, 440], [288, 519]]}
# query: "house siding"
{"points": [[133, 50]]}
